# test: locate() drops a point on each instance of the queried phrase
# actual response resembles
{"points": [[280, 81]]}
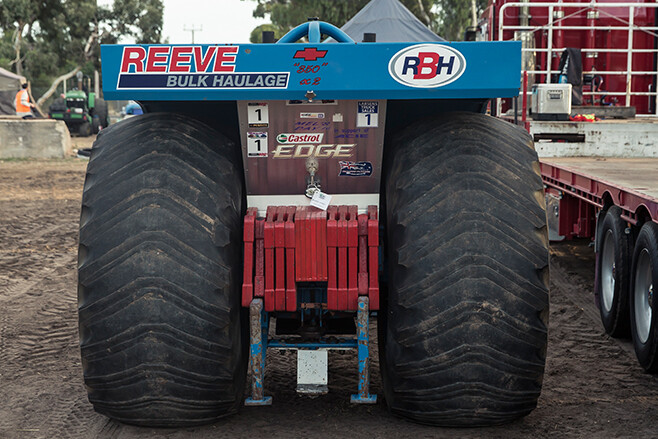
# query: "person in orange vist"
{"points": [[23, 104]]}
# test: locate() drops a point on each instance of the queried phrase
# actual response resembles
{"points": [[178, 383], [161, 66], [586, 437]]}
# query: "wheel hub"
{"points": [[608, 272], [643, 295], [650, 296]]}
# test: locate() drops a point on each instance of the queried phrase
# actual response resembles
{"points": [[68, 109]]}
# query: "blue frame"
{"points": [[279, 71]]}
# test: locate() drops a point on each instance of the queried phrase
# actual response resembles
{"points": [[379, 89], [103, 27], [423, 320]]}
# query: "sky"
{"points": [[221, 21]]}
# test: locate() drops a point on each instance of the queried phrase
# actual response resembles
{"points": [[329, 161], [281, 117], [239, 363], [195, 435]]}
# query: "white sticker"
{"points": [[338, 117], [367, 114], [258, 115], [257, 144], [320, 200], [311, 115]]}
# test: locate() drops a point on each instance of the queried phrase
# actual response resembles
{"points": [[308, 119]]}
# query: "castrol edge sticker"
{"points": [[427, 65], [300, 137]]}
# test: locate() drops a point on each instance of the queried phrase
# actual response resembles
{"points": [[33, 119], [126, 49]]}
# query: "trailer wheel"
{"points": [[644, 325], [466, 311], [614, 273], [161, 330]]}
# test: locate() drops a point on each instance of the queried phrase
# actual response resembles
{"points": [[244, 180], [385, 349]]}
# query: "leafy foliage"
{"points": [[46, 38], [455, 17]]}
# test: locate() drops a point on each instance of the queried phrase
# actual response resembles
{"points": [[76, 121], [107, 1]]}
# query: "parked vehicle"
{"points": [[279, 196], [84, 113]]}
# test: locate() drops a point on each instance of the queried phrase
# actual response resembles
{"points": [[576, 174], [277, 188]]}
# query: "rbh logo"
{"points": [[427, 65]]}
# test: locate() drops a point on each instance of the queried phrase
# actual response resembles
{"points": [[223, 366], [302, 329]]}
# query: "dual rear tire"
{"points": [[465, 311], [627, 272]]}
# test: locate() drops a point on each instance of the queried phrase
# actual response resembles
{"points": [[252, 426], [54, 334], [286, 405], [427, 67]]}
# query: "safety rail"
{"points": [[558, 12]]}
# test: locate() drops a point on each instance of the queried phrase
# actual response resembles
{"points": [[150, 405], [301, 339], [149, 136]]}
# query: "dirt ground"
{"points": [[593, 385]]}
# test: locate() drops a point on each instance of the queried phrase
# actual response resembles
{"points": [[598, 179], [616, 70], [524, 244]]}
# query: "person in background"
{"points": [[23, 104]]}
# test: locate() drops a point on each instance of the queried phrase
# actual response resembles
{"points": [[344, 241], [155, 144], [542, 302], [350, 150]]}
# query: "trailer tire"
{"points": [[644, 318], [615, 249], [159, 268], [466, 301]]}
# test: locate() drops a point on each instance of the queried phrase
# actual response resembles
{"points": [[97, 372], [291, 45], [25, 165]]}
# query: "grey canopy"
{"points": [[391, 21]]}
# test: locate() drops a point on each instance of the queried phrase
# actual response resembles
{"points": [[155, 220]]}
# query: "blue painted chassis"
{"points": [[352, 71]]}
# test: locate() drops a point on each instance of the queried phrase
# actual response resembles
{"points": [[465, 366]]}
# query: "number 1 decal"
{"points": [[257, 144], [367, 114], [258, 115]]}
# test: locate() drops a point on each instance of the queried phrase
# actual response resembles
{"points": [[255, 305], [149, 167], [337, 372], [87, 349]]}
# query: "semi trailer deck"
{"points": [[631, 183]]}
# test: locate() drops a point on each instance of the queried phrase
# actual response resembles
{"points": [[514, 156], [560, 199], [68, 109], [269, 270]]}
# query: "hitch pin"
{"points": [[313, 185]]}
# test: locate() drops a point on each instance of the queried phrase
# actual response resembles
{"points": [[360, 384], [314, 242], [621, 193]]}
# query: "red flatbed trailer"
{"points": [[615, 202], [588, 184]]}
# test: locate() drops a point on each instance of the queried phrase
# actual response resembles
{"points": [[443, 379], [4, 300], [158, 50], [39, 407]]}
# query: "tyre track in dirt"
{"points": [[585, 366], [39, 304], [593, 386], [38, 328]]}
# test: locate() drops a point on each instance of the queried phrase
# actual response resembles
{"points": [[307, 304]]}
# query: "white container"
{"points": [[551, 101]]}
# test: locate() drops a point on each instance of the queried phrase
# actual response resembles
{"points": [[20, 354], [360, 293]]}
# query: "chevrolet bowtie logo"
{"points": [[310, 54]]}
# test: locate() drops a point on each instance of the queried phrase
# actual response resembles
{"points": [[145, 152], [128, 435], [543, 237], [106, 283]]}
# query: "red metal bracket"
{"points": [[332, 255], [248, 272], [373, 257], [305, 244], [291, 289]]}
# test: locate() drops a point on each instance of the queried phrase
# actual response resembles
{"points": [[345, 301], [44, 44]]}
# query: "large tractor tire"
{"points": [[615, 248], [161, 334], [644, 321], [465, 311]]}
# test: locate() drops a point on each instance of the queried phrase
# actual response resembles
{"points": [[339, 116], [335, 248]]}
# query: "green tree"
{"points": [[455, 16], [286, 14], [49, 41]]}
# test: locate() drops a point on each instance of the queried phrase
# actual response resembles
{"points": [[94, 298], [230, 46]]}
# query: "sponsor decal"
{"points": [[367, 114], [256, 144], [300, 137], [258, 115], [190, 67], [311, 115], [310, 54], [355, 169], [178, 59], [323, 151], [427, 65]]}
